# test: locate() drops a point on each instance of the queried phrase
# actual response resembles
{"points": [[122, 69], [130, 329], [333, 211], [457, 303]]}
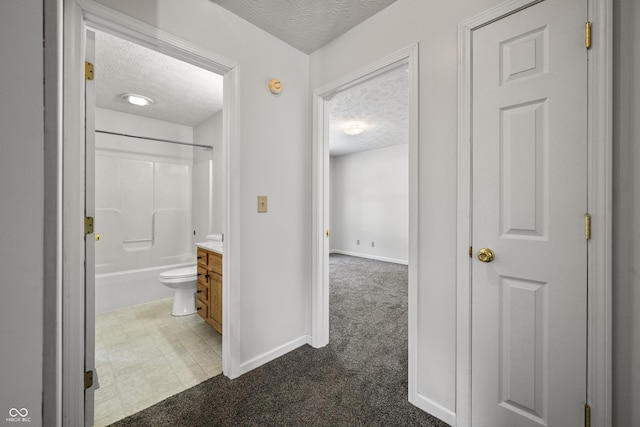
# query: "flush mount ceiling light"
{"points": [[354, 128], [135, 99]]}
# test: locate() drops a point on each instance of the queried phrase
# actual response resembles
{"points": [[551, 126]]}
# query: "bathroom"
{"points": [[158, 191]]}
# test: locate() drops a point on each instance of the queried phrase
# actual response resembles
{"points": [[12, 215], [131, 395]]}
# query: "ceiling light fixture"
{"points": [[354, 128], [135, 99]]}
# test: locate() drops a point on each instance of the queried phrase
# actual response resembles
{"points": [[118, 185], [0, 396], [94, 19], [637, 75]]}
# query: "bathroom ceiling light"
{"points": [[354, 128], [136, 99]]}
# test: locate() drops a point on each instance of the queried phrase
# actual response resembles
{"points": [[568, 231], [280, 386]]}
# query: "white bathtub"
{"points": [[132, 287]]}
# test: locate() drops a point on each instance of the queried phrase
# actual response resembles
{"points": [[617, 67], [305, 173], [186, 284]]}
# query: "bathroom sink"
{"points": [[211, 246]]}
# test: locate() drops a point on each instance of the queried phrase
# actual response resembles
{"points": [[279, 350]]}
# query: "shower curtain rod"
{"points": [[208, 147]]}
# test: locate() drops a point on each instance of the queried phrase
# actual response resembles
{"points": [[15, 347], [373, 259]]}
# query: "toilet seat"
{"points": [[179, 275]]}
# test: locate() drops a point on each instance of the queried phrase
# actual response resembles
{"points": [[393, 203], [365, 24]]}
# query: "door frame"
{"points": [[320, 202], [78, 14], [599, 248]]}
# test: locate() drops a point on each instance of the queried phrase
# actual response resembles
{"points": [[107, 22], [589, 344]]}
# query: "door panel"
{"points": [[529, 191]]}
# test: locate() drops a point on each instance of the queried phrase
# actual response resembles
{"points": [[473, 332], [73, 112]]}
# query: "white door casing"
{"points": [[599, 141], [529, 199], [77, 15], [89, 246], [599, 147], [320, 208]]}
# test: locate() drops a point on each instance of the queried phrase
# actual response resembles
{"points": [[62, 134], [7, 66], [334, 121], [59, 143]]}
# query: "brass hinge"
{"points": [[88, 379], [587, 226], [470, 251], [88, 70], [587, 415], [587, 35], [88, 225]]}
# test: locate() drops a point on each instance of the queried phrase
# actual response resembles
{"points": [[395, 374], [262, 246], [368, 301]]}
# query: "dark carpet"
{"points": [[359, 379]]}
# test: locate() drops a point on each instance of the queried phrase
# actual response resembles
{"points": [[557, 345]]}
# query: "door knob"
{"points": [[486, 255]]}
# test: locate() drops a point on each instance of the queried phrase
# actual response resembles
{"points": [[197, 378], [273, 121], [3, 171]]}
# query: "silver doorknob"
{"points": [[486, 255]]}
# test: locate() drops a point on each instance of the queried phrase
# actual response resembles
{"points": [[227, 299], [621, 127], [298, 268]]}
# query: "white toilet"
{"points": [[183, 280]]}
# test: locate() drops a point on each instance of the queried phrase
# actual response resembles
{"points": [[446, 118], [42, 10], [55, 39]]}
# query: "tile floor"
{"points": [[144, 355]]}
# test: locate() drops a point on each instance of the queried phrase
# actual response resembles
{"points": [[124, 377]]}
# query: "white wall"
{"points": [[209, 132], [405, 22], [274, 265], [626, 227], [370, 203], [434, 26], [22, 208]]}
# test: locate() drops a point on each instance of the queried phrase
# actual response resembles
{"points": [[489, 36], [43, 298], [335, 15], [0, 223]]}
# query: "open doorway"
{"points": [[159, 174], [329, 233], [369, 159], [369, 222]]}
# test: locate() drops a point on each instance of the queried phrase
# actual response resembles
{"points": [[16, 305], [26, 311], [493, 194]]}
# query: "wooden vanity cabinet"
{"points": [[209, 300]]}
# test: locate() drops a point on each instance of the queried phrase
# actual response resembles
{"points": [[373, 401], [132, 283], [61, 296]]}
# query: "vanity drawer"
{"points": [[202, 308], [215, 262], [202, 257], [202, 292], [202, 276]]}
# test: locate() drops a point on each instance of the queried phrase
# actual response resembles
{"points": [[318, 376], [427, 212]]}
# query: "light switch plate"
{"points": [[262, 204]]}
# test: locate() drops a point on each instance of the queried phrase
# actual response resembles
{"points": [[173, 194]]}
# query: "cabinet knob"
{"points": [[199, 291]]}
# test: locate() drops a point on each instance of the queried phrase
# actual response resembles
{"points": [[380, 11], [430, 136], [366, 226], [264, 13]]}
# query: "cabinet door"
{"points": [[215, 303], [215, 262]]}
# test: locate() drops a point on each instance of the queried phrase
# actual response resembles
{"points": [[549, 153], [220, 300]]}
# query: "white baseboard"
{"points": [[273, 354], [378, 258], [433, 408]]}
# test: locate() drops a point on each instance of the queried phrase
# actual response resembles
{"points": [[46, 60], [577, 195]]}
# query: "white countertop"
{"points": [[211, 245]]}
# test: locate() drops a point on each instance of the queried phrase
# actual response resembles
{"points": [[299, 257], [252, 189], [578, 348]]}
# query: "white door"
{"points": [[90, 276], [529, 136]]}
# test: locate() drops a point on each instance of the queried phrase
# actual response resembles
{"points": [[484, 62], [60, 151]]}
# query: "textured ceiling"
{"points": [[382, 103], [187, 95], [182, 93], [306, 25]]}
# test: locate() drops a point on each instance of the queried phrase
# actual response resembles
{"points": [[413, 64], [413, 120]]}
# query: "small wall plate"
{"points": [[274, 86]]}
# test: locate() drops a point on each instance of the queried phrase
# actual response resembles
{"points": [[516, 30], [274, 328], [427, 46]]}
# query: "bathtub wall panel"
{"points": [[143, 208]]}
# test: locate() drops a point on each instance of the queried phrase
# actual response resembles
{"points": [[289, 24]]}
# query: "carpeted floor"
{"points": [[359, 379]]}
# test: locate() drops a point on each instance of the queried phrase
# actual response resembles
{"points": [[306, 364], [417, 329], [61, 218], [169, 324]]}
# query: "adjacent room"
{"points": [[158, 197]]}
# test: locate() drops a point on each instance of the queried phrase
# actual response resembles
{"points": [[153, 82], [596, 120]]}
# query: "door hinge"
{"points": [[587, 35], [88, 225], [88, 70], [587, 415], [88, 379], [470, 251], [587, 226]]}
